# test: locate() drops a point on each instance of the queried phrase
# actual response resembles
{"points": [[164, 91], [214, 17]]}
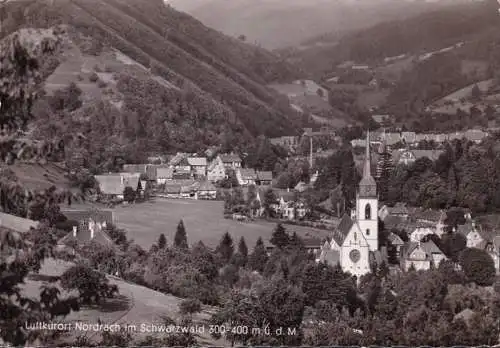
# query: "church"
{"points": [[354, 243]]}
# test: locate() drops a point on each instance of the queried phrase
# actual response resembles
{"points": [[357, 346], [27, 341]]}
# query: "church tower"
{"points": [[367, 202]]}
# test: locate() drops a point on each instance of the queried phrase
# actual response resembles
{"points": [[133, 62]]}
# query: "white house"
{"points": [[419, 233], [216, 171], [422, 256]]}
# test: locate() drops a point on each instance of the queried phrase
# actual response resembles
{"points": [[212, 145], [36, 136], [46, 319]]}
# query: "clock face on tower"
{"points": [[355, 255]]}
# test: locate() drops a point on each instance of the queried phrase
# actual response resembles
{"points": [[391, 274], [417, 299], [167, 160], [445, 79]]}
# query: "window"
{"points": [[368, 212], [367, 231]]}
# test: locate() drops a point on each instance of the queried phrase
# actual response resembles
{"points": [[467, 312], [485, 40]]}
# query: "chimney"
{"points": [[74, 231], [92, 229], [288, 189]]}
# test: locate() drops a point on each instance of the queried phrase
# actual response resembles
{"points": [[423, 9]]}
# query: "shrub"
{"points": [[94, 77], [478, 266], [101, 84], [190, 306]]}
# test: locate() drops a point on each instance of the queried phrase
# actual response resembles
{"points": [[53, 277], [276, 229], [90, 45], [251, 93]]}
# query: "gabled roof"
{"points": [[286, 195], [164, 173], [83, 235], [342, 229], [248, 174], [427, 215], [131, 180], [465, 229], [394, 239], [399, 209], [172, 188], [197, 161], [152, 170], [431, 248], [177, 159], [430, 154], [267, 176], [230, 158]]}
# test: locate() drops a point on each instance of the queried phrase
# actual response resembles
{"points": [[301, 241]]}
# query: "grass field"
{"points": [[203, 221]]}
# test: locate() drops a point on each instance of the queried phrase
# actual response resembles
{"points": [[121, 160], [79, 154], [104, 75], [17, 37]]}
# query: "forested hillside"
{"points": [[156, 68], [418, 34]]}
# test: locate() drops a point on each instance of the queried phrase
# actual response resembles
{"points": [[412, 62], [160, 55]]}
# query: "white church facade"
{"points": [[354, 243]]}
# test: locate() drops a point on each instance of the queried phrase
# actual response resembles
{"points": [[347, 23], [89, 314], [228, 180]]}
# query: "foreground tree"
{"points": [[258, 258], [226, 247], [162, 241]]}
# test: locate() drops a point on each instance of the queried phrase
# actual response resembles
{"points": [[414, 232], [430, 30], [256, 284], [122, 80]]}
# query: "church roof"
{"points": [[394, 239], [343, 229]]}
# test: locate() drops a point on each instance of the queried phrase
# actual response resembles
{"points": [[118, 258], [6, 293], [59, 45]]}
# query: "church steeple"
{"points": [[367, 185], [366, 168]]}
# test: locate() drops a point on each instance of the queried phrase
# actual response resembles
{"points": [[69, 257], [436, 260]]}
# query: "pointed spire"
{"points": [[366, 169]]}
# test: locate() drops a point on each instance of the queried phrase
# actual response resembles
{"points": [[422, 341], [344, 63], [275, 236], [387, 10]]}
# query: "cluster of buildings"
{"points": [[182, 176], [412, 138], [354, 243]]}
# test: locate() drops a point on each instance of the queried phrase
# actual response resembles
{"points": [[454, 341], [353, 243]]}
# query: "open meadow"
{"points": [[203, 220]]}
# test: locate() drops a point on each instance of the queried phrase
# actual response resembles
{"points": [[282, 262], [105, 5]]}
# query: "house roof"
{"points": [[110, 184], [394, 239], [342, 229], [268, 176], [248, 174], [135, 168], [131, 180], [83, 235], [286, 195], [197, 161], [177, 159], [399, 209], [172, 188], [301, 186], [230, 158], [164, 173], [80, 215], [430, 154], [16, 223], [207, 186], [152, 170], [427, 215]]}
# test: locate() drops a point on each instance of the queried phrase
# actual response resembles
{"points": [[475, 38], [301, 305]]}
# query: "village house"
{"points": [[264, 178], [419, 233], [207, 191], [198, 166], [493, 248], [152, 172], [164, 174], [114, 184], [246, 177], [231, 160], [475, 135], [395, 245], [408, 137], [473, 234], [422, 256], [171, 191], [86, 231], [216, 170], [381, 119], [289, 143]]}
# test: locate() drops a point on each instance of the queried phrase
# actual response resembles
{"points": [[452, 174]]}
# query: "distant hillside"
{"points": [[278, 23], [420, 33], [152, 76]]}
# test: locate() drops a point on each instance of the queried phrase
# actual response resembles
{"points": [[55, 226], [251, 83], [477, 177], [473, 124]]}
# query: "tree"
{"points": [[478, 266], [92, 286], [129, 194], [162, 241], [269, 199], [180, 239], [226, 247], [190, 306], [242, 247], [476, 92], [280, 238], [258, 258]]}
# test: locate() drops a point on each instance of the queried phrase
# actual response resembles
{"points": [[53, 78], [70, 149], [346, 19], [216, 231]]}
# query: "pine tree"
{"points": [[226, 247], [242, 248], [295, 241], [280, 238], [162, 241], [258, 258], [180, 239]]}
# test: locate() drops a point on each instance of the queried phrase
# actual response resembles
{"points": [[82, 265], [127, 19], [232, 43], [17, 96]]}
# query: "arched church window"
{"points": [[368, 212], [367, 231]]}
